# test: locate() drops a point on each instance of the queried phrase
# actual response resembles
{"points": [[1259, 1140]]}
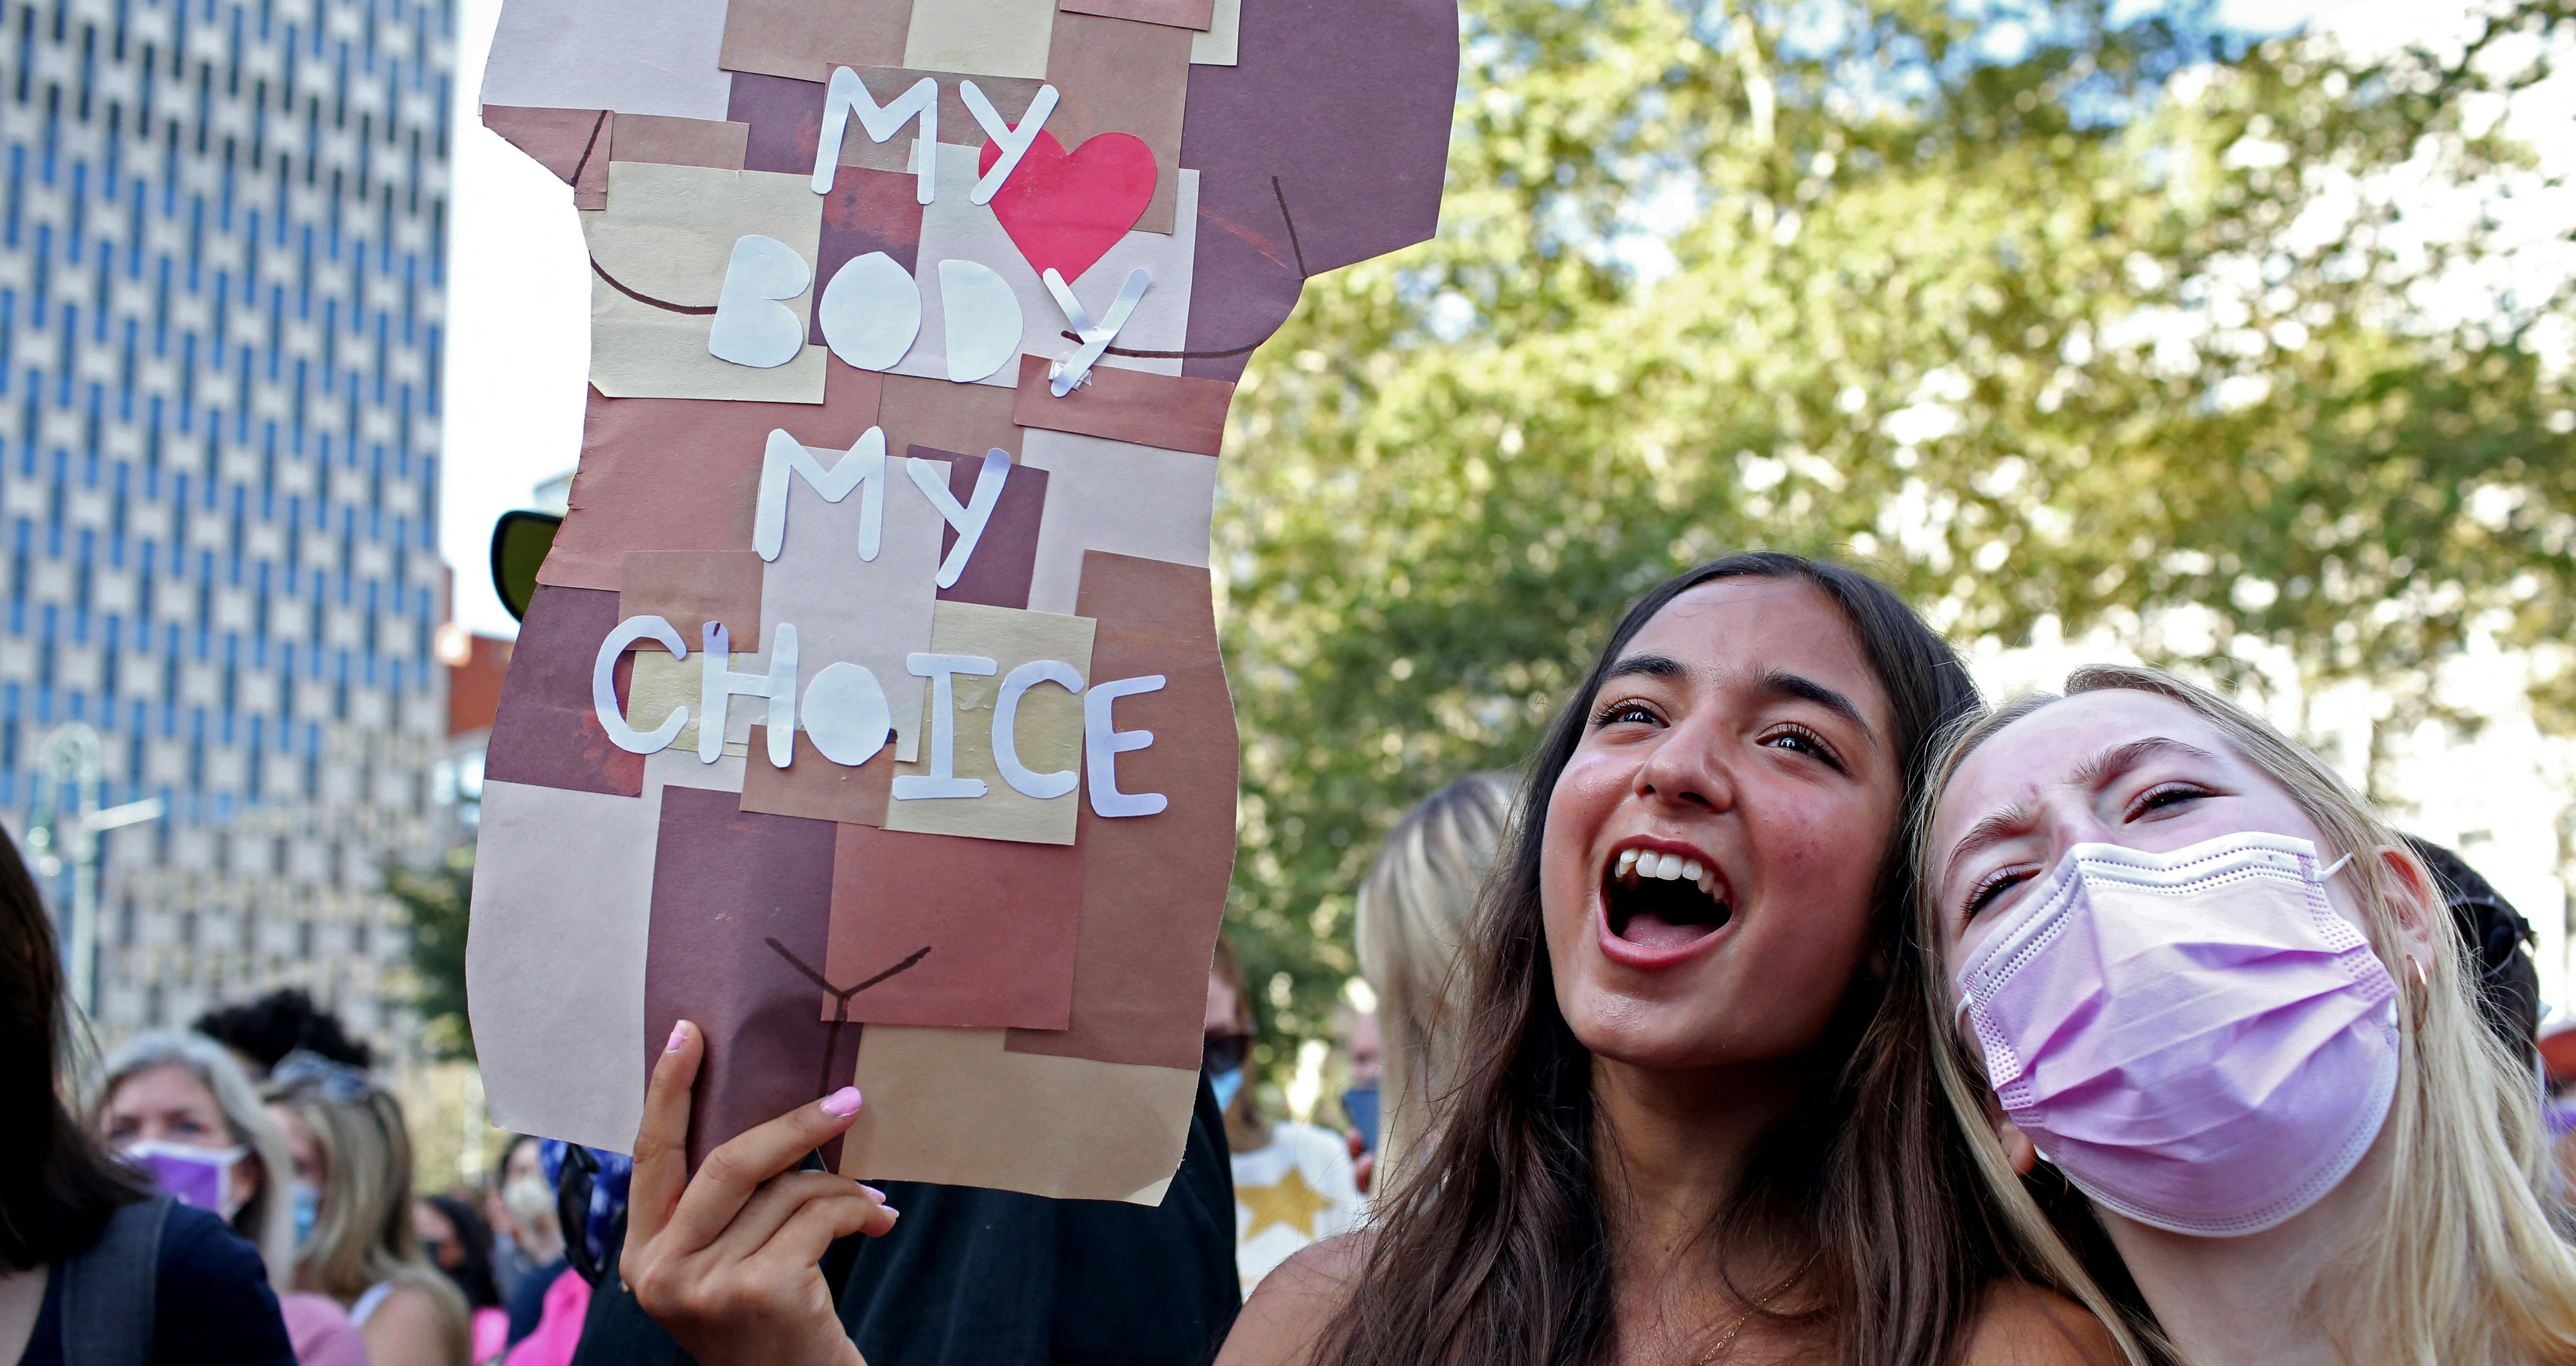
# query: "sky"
{"points": [[518, 290]]}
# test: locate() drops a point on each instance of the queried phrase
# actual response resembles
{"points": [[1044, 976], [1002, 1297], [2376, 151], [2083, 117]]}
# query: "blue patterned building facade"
{"points": [[222, 241]]}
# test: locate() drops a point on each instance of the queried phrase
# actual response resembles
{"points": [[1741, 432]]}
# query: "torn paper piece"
{"points": [[1247, 273], [815, 787], [689, 588], [633, 56], [741, 907], [554, 966], [805, 40], [1189, 14], [980, 321], [954, 229], [1124, 77], [997, 573], [940, 415], [547, 733], [1153, 886], [1217, 46], [869, 213], [679, 142], [981, 37], [660, 256], [952, 1106], [572, 143], [664, 474], [998, 919], [1112, 496], [1368, 89], [1168, 411], [1047, 734], [872, 613]]}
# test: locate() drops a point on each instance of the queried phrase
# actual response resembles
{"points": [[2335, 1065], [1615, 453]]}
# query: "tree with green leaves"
{"points": [[2050, 319]]}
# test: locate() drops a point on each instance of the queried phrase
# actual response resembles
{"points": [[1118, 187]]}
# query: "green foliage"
{"points": [[434, 901], [2091, 326]]}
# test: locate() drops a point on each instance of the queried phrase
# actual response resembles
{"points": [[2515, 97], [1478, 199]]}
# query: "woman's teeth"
{"points": [[1640, 864]]}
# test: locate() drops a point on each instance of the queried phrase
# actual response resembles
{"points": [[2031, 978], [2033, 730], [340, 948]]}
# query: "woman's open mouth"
{"points": [[1663, 901]]}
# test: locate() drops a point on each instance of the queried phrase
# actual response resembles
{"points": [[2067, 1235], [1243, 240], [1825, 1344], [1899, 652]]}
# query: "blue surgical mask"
{"points": [[1227, 1083], [306, 1200], [1360, 1103]]}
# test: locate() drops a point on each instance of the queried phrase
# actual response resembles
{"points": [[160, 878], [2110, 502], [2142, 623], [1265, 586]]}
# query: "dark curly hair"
{"points": [[279, 1023]]}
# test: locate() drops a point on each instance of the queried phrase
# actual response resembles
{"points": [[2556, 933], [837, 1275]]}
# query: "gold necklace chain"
{"points": [[1726, 1339]]}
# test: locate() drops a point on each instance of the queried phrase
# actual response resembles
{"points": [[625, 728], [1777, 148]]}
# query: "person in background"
{"points": [[179, 1106], [264, 1031], [529, 1199], [517, 1248], [457, 1241], [1411, 916], [1364, 1052], [347, 1139], [85, 1243], [1293, 1183]]}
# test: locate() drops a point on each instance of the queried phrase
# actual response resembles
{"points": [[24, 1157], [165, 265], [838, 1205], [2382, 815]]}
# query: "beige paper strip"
{"points": [[981, 37], [667, 236], [952, 1106], [1049, 730]]}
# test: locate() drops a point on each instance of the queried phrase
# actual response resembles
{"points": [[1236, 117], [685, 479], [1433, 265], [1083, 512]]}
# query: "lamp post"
{"points": [[64, 834]]}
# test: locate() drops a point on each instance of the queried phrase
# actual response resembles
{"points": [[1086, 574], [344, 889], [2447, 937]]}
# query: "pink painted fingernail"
{"points": [[679, 1038], [880, 1195], [843, 1103]]}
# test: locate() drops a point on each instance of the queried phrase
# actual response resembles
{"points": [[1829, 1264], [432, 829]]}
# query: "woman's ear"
{"points": [[2420, 914], [2018, 1149]]}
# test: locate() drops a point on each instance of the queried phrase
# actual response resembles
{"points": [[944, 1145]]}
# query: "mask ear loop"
{"points": [[2333, 868]]}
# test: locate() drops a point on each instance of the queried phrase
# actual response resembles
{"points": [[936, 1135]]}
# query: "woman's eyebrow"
{"points": [[1647, 666], [1782, 683], [2119, 759]]}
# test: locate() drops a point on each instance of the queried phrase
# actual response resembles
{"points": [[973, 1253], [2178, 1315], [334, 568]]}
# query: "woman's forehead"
{"points": [[2059, 741], [1754, 624]]}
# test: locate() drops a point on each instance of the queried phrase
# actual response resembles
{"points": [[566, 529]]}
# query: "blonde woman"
{"points": [[351, 1150], [2188, 967], [1412, 915], [181, 1106]]}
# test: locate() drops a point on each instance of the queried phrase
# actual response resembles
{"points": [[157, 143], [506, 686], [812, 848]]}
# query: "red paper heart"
{"points": [[1067, 209]]}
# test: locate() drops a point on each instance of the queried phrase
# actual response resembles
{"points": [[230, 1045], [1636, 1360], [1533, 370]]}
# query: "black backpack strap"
{"points": [[108, 1290]]}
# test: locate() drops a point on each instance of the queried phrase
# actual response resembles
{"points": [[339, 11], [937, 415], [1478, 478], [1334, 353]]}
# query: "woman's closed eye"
{"points": [[1994, 885], [2164, 797]]}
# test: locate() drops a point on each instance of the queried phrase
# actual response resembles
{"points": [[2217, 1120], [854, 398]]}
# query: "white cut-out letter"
{"points": [[846, 715], [786, 460], [1102, 743], [1006, 720], [931, 477], [717, 683], [603, 686], [751, 327], [846, 93], [942, 780], [983, 318], [1064, 375], [870, 312], [1014, 142]]}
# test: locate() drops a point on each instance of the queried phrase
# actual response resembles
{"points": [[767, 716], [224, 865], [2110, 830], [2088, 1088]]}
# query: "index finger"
{"points": [[733, 1173], [662, 1141]]}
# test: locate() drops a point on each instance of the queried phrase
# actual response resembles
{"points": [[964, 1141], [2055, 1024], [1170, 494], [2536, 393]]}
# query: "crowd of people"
{"points": [[1795, 1004]]}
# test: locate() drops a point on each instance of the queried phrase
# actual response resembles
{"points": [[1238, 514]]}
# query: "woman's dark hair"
{"points": [[57, 1184], [281, 1022], [473, 1276], [1500, 1255]]}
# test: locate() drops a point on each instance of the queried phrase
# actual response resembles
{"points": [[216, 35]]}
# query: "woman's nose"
{"points": [[1688, 769]]}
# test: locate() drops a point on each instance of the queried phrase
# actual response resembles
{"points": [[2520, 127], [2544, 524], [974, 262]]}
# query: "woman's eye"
{"points": [[1625, 713], [1994, 885], [1800, 740], [2158, 798]]}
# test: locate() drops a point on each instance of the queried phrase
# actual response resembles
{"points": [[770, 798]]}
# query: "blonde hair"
{"points": [[363, 1234], [1411, 917], [267, 1219], [2464, 1264]]}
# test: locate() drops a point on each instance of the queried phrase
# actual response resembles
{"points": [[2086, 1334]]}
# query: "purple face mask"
{"points": [[201, 1177], [2194, 1038]]}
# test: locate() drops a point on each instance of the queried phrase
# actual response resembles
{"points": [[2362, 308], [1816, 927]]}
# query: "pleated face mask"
{"points": [[2194, 1038]]}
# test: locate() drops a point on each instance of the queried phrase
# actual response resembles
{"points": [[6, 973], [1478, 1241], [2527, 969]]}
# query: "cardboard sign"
{"points": [[872, 715]]}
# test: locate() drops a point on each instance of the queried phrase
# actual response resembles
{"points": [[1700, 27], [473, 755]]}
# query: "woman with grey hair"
{"points": [[181, 1107], [1412, 914]]}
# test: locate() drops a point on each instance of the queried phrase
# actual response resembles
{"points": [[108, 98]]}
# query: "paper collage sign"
{"points": [[869, 711]]}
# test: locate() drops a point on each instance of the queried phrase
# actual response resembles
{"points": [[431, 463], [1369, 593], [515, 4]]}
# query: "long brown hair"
{"points": [[58, 1186], [1499, 1254]]}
